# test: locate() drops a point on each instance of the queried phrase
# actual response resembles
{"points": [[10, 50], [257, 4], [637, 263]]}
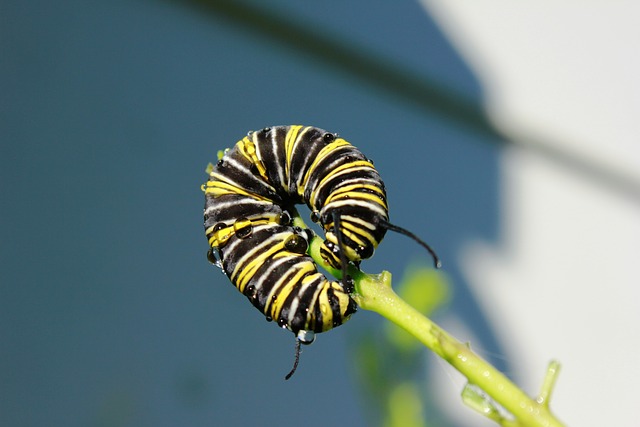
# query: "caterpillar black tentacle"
{"points": [[296, 360], [436, 260], [250, 200]]}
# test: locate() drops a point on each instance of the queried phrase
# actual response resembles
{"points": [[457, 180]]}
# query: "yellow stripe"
{"points": [[220, 188], [349, 252], [358, 165], [348, 230], [361, 232], [275, 307], [243, 274], [220, 237], [343, 299], [325, 308], [359, 221], [248, 149], [289, 142], [311, 319], [327, 149], [356, 195], [359, 185], [321, 155]]}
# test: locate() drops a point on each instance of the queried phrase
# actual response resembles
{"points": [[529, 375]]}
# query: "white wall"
{"points": [[563, 281]]}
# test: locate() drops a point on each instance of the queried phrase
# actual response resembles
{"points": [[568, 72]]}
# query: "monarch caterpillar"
{"points": [[249, 200]]}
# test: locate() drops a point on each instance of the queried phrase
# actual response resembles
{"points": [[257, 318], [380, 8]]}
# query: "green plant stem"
{"points": [[374, 293], [549, 383]]}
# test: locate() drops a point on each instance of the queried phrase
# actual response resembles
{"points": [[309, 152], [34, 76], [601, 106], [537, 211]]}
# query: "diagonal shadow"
{"points": [[413, 88]]}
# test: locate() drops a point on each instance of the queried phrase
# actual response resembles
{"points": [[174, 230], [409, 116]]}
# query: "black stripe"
{"points": [[251, 182], [229, 208], [273, 159], [270, 144], [309, 146], [299, 319]]}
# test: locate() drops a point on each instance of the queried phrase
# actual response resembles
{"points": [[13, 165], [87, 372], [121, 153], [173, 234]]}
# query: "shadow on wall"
{"points": [[113, 110], [456, 141]]}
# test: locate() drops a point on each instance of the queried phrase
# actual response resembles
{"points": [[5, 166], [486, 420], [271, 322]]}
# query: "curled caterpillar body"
{"points": [[253, 186], [249, 200], [269, 265]]}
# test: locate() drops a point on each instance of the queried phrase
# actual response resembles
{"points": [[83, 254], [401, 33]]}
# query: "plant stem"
{"points": [[374, 292]]}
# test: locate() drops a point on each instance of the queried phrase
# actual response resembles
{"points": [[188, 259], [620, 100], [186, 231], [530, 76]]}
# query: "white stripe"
{"points": [[279, 164], [231, 247], [259, 248], [358, 221], [318, 282], [275, 265], [229, 203], [350, 202], [342, 172]]}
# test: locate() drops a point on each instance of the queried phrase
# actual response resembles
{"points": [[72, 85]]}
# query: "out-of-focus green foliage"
{"points": [[391, 363], [426, 290]]}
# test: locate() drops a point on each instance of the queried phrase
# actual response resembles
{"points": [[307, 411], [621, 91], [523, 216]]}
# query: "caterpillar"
{"points": [[250, 199]]}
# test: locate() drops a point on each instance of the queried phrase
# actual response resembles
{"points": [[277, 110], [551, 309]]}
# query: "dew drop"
{"points": [[211, 257], [214, 257], [315, 216], [251, 292], [306, 337], [284, 218], [308, 234], [243, 233], [296, 244], [328, 137], [243, 228]]}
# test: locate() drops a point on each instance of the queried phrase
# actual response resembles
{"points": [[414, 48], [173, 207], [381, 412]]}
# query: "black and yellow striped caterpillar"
{"points": [[250, 198]]}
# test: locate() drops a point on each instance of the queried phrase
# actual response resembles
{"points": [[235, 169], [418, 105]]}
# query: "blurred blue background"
{"points": [[110, 314]]}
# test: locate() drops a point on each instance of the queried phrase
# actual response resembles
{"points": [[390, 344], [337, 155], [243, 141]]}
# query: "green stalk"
{"points": [[374, 293]]}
